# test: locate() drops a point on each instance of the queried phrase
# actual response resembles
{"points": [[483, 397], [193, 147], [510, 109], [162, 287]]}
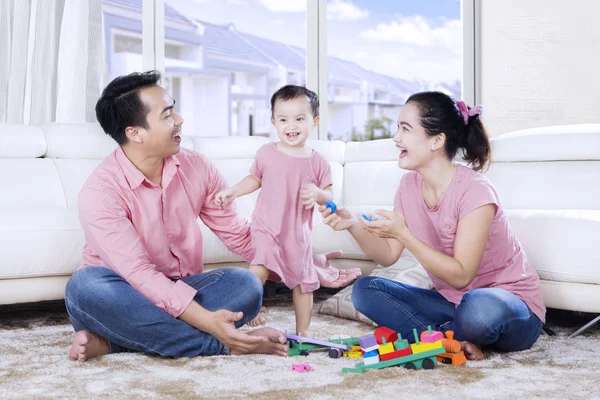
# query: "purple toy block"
{"points": [[368, 341]]}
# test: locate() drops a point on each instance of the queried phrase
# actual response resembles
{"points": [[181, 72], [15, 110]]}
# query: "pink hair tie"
{"points": [[466, 113]]}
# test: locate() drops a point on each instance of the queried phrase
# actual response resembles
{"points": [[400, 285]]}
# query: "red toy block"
{"points": [[396, 354], [389, 335]]}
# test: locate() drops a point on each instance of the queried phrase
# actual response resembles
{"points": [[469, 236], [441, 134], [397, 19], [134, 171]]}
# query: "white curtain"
{"points": [[52, 60]]}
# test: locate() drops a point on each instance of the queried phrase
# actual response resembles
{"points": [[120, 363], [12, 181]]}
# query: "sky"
{"points": [[409, 39]]}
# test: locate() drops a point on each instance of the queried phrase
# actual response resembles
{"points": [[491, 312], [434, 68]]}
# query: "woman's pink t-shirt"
{"points": [[504, 264]]}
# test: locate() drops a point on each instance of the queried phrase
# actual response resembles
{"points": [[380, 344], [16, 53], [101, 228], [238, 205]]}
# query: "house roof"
{"points": [[276, 51], [224, 41], [136, 5]]}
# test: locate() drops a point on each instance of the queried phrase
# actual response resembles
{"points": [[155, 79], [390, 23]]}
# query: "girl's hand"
{"points": [[308, 195], [225, 197], [340, 221], [393, 226]]}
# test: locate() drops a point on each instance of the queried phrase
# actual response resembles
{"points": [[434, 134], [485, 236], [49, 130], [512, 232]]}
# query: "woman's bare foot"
{"points": [[87, 345], [472, 352], [274, 345], [260, 319]]}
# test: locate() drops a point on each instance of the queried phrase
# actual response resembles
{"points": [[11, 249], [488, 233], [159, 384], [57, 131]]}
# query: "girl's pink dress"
{"points": [[281, 226]]}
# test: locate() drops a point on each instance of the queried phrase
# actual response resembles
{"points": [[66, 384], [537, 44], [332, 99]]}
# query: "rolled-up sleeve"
{"points": [[111, 235]]}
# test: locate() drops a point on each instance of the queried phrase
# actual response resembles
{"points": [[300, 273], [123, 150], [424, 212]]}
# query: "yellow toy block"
{"points": [[386, 348], [353, 354], [421, 347]]}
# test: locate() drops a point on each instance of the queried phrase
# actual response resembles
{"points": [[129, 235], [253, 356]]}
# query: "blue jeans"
{"points": [[101, 301], [485, 317]]}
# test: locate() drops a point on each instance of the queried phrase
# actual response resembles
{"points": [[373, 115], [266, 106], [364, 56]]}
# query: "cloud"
{"points": [[284, 6], [416, 30], [336, 9], [345, 11]]}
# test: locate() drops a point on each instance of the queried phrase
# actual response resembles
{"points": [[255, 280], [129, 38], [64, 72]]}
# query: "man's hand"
{"points": [[225, 197], [222, 327]]}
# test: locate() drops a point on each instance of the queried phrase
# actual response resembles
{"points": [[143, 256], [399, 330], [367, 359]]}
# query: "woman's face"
{"points": [[412, 140]]}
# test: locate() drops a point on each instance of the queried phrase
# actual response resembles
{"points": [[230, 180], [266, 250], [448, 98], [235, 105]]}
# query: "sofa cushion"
{"points": [[21, 141], [561, 245], [547, 185], [39, 242], [30, 183], [549, 144]]}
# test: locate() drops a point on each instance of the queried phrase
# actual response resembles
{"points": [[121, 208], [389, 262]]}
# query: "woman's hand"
{"points": [[392, 226], [340, 221]]}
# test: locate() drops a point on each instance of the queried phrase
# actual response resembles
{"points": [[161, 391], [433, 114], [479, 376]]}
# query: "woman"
{"points": [[450, 218]]}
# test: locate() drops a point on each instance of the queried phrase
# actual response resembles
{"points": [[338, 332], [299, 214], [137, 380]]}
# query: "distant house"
{"points": [[223, 78]]}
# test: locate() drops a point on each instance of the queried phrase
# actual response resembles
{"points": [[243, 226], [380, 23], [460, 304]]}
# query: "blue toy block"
{"points": [[331, 205], [373, 353], [365, 216]]}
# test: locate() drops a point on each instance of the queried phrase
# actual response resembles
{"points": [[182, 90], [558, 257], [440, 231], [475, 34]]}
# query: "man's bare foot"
{"points": [[274, 345], [87, 345], [260, 319], [472, 352]]}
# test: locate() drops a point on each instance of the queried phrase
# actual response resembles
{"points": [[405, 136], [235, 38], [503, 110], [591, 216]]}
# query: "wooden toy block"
{"points": [[401, 344], [421, 347], [451, 345], [371, 360], [386, 348], [396, 354], [430, 336], [353, 354], [368, 342], [452, 358], [385, 332], [373, 353]]}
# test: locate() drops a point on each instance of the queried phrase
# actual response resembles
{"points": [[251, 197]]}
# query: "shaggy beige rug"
{"points": [[34, 365]]}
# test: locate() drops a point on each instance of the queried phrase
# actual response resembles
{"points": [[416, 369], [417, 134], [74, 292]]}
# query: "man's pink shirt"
{"points": [[148, 233]]}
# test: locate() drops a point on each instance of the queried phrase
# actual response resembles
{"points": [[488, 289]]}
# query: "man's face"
{"points": [[163, 136]]}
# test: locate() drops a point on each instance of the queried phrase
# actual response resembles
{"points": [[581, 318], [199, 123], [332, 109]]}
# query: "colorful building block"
{"points": [[430, 336], [421, 347], [396, 354], [400, 344], [372, 359], [368, 343], [353, 354], [385, 347], [385, 332]]}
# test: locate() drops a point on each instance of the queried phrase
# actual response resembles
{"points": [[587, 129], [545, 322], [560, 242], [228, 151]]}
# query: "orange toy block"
{"points": [[452, 358], [384, 332], [430, 336], [396, 354], [451, 345]]}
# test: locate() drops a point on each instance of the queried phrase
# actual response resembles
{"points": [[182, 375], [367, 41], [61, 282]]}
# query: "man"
{"points": [[142, 287]]}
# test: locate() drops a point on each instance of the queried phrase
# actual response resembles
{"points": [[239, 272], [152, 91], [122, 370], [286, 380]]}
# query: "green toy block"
{"points": [[352, 341], [400, 344]]}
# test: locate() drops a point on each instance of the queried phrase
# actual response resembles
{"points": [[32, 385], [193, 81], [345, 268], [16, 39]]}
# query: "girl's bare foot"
{"points": [[87, 345], [259, 320], [472, 352], [274, 345]]}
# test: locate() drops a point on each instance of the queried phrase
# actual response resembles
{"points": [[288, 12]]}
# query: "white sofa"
{"points": [[548, 180]]}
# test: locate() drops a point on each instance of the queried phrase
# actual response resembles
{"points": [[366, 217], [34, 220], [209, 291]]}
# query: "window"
{"points": [[226, 58], [396, 49]]}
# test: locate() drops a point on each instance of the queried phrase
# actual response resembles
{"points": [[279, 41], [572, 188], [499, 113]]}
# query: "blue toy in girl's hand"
{"points": [[365, 216], [331, 205]]}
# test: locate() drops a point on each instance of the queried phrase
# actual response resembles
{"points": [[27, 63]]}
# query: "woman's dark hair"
{"points": [[439, 113], [289, 92], [120, 106]]}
